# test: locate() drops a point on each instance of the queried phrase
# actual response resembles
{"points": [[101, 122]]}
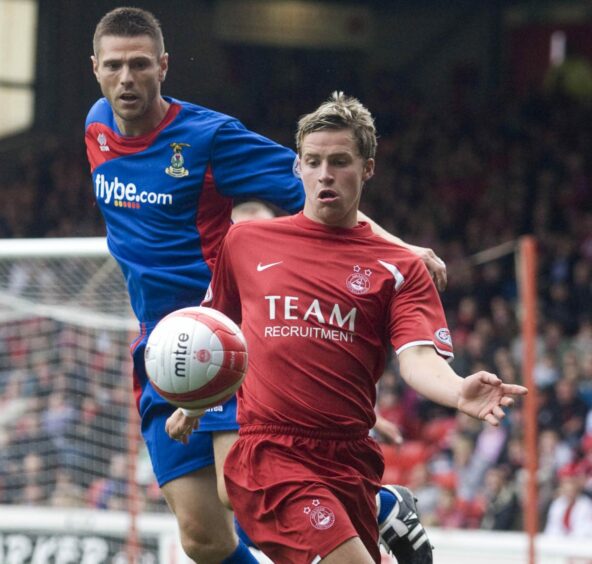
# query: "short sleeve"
{"points": [[248, 165], [416, 313]]}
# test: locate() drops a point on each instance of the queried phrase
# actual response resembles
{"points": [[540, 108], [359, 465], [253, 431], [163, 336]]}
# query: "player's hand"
{"points": [[483, 395], [436, 266], [179, 426], [388, 431]]}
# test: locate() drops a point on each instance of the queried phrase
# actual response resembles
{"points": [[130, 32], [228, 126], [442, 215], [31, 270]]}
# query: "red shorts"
{"points": [[300, 494]]}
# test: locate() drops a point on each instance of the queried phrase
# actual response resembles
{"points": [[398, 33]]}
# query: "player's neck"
{"points": [[148, 122], [348, 221]]}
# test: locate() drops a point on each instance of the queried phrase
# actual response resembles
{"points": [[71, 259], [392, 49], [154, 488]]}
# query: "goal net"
{"points": [[68, 426]]}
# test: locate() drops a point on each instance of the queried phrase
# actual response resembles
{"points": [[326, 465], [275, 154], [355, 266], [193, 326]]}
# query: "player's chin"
{"points": [[130, 112]]}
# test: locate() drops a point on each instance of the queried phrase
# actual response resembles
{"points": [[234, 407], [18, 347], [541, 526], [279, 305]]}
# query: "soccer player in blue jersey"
{"points": [[165, 173]]}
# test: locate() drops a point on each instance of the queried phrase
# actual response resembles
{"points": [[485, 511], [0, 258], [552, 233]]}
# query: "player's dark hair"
{"points": [[129, 22], [341, 112]]}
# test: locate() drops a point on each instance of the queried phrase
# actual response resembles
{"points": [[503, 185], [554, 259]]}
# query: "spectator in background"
{"points": [[66, 492], [570, 513], [110, 492], [585, 377], [449, 513], [35, 480], [572, 411], [58, 421], [487, 450], [546, 371], [501, 507], [422, 485], [553, 454]]}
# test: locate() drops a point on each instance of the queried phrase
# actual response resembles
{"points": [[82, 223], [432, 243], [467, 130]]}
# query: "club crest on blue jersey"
{"points": [[359, 282], [177, 170], [102, 140]]}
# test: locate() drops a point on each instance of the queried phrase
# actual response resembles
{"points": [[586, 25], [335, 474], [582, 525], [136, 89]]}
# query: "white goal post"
{"points": [[74, 279]]}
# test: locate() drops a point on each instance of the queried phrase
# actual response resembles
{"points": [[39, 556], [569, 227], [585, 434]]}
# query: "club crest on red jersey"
{"points": [[443, 335], [321, 517], [359, 282], [177, 170]]}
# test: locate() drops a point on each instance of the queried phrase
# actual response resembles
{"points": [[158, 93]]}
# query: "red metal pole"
{"points": [[528, 298]]}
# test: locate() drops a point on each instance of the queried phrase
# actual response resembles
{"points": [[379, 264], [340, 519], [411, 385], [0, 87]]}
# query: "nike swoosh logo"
{"points": [[262, 267]]}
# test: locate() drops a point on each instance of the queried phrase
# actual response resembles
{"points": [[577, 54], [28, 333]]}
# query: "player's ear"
{"points": [[164, 67], [296, 168], [368, 169], [95, 66]]}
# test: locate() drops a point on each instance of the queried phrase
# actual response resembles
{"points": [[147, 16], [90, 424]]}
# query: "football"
{"points": [[196, 357]]}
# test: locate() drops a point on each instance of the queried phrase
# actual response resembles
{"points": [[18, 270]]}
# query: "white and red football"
{"points": [[196, 357]]}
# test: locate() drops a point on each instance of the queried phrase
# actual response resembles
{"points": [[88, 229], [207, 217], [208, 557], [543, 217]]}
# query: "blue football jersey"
{"points": [[167, 196]]}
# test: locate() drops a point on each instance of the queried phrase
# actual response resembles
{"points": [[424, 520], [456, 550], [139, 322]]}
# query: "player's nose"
{"points": [[125, 75], [325, 174]]}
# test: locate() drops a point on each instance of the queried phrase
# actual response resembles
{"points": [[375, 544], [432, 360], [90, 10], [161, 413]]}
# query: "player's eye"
{"points": [[342, 161]]}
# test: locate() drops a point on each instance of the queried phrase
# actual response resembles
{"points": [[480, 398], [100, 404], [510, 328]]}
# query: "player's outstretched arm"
{"points": [[482, 395], [435, 265]]}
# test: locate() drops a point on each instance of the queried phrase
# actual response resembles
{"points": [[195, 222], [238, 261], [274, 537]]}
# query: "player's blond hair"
{"points": [[129, 22], [341, 112]]}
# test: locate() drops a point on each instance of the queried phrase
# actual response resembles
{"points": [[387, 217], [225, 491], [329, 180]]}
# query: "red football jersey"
{"points": [[318, 306]]}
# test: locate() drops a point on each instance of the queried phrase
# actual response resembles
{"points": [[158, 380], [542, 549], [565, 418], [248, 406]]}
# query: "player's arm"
{"points": [[482, 395], [435, 265], [388, 431], [247, 165]]}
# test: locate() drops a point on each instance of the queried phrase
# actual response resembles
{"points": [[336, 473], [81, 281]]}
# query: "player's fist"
{"points": [[180, 426]]}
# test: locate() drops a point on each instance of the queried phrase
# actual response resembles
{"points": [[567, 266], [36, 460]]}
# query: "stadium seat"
{"points": [[437, 433], [399, 460]]}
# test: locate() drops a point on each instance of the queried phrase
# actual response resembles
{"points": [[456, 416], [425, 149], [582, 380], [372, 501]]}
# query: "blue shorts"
{"points": [[172, 459]]}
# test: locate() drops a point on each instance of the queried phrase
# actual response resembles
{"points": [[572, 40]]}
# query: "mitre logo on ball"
{"points": [[196, 357]]}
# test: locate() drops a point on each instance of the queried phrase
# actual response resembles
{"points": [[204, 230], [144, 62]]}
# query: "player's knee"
{"points": [[205, 546]]}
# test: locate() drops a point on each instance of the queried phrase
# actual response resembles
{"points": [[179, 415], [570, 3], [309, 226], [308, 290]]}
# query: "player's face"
{"points": [[130, 71], [333, 173]]}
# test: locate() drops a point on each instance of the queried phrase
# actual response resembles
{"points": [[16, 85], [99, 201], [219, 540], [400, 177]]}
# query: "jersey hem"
{"points": [[449, 355]]}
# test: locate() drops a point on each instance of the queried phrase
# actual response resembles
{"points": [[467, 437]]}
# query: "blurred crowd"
{"points": [[67, 420], [460, 181]]}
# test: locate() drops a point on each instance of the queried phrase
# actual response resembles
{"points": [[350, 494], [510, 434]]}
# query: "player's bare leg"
{"points": [[352, 551], [207, 537], [223, 440]]}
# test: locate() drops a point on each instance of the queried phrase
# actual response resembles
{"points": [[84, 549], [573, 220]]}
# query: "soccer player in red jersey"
{"points": [[319, 298]]}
